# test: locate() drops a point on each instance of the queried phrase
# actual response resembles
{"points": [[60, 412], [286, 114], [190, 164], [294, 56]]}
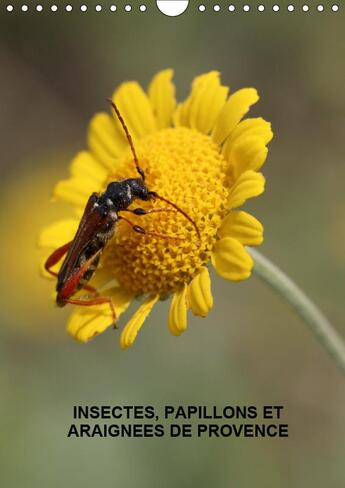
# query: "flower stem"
{"points": [[312, 316]]}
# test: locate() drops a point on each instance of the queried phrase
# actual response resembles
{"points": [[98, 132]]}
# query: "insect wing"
{"points": [[91, 222]]}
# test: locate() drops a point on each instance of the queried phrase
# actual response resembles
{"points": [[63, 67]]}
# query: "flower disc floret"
{"points": [[186, 167]]}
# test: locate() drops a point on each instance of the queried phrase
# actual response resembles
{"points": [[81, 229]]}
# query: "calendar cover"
{"points": [[173, 223]]}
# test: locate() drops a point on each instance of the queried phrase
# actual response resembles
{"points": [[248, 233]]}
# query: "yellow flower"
{"points": [[201, 155]]}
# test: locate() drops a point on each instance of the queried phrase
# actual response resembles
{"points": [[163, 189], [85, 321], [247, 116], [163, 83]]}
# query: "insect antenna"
{"points": [[129, 138], [155, 195], [141, 171]]}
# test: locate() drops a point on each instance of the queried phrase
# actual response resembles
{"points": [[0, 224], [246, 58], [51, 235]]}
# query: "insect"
{"points": [[97, 226]]}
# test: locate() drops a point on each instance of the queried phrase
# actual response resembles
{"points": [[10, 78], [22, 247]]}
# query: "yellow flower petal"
{"points": [[87, 322], [103, 278], [44, 273], [234, 109], [134, 325], [230, 260], [58, 233], [75, 190], [178, 312], [86, 165], [121, 299], [162, 97], [247, 154], [243, 227], [245, 148], [181, 114], [53, 237], [135, 109], [105, 139], [250, 184], [200, 298], [202, 107], [256, 127]]}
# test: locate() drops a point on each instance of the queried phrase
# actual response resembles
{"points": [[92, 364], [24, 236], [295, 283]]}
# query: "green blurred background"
{"points": [[56, 72]]}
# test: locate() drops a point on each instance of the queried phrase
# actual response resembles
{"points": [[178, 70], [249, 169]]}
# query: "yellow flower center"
{"points": [[186, 167]]}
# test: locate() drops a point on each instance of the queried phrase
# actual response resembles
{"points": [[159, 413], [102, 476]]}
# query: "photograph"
{"points": [[173, 226]]}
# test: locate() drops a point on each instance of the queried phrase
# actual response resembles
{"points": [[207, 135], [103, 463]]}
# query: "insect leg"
{"points": [[73, 281], [71, 284], [141, 230], [144, 211], [155, 195], [55, 257], [88, 302]]}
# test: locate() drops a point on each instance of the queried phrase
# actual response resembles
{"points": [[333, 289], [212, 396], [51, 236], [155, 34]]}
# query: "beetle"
{"points": [[97, 227]]}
